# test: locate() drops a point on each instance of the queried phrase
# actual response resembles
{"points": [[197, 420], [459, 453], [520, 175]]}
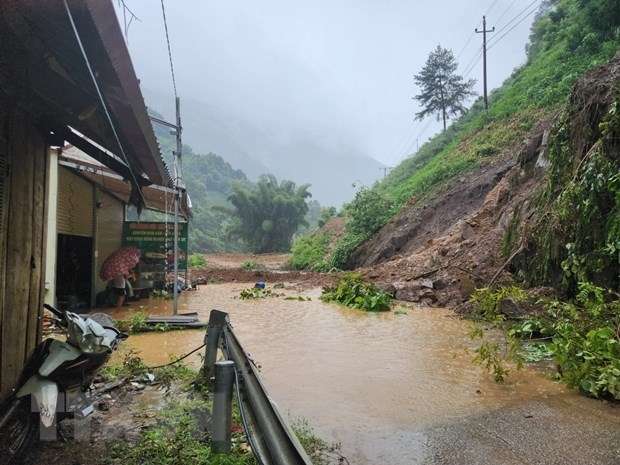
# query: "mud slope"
{"points": [[438, 254]]}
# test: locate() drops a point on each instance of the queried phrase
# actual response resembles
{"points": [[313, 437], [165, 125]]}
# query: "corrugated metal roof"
{"points": [[66, 63], [157, 197]]}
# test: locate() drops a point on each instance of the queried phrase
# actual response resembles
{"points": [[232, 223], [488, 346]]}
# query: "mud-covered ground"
{"points": [[118, 413], [236, 267]]}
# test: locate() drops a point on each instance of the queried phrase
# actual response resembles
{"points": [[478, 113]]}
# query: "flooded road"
{"points": [[395, 387]]}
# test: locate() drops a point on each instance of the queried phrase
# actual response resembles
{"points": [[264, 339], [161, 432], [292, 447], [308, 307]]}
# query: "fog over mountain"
{"points": [[334, 169], [312, 91]]}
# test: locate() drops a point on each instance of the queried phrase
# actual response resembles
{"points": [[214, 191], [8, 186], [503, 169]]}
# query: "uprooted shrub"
{"points": [[352, 290]]}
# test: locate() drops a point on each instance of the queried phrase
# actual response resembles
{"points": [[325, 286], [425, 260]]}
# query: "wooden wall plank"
{"points": [[23, 252]]}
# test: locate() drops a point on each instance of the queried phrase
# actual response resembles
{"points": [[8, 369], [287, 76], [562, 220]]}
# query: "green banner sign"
{"points": [[156, 241]]}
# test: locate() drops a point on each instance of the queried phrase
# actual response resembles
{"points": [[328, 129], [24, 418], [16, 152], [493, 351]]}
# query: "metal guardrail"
{"points": [[270, 437]]}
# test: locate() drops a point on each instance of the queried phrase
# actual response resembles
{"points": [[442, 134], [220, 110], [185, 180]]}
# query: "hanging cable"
{"points": [[174, 84], [499, 19], [509, 30], [473, 62], [498, 37], [491, 7], [465, 46], [102, 101], [396, 148]]}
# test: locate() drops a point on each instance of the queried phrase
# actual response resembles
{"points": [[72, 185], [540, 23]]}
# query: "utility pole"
{"points": [[484, 58], [178, 187], [386, 170]]}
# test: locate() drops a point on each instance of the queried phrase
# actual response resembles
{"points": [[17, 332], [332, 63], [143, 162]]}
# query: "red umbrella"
{"points": [[119, 262]]}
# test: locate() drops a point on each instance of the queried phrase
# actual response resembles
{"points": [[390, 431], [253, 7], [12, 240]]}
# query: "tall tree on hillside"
{"points": [[443, 91], [266, 217]]}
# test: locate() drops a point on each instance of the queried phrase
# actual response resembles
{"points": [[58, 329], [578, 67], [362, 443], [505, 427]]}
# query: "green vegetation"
{"points": [[178, 437], [568, 38], [252, 265], [495, 355], [327, 213], [442, 91], [177, 432], [352, 290], [367, 213], [257, 293], [585, 340], [209, 181], [197, 261], [137, 324], [160, 294], [309, 253], [570, 238], [319, 451], [582, 336], [576, 237], [266, 217]]}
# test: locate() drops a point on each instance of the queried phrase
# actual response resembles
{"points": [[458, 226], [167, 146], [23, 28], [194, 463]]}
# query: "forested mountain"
{"points": [[208, 180]]}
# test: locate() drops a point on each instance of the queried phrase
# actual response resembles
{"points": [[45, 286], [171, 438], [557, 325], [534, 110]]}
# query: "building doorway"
{"points": [[74, 264]]}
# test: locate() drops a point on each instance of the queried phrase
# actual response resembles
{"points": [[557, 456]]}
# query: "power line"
{"points": [[474, 61], [497, 38], [484, 57], [396, 147], [499, 19], [491, 7], [508, 32], [465, 46], [481, 51], [174, 84]]}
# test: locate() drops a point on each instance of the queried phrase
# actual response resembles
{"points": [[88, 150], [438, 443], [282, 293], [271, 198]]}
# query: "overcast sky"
{"points": [[342, 69]]}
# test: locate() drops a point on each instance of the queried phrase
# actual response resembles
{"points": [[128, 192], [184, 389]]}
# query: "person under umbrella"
{"points": [[119, 287], [116, 268]]}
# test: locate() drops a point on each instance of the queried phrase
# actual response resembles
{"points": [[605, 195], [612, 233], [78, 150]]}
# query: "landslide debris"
{"points": [[470, 234]]}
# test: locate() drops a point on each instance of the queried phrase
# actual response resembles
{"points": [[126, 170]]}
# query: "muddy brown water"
{"points": [[372, 382]]}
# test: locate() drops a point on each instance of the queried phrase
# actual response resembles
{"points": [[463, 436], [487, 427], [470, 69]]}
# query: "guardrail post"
{"points": [[217, 321], [222, 407]]}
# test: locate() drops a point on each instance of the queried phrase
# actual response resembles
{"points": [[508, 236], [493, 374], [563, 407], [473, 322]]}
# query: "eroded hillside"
{"points": [[438, 253]]}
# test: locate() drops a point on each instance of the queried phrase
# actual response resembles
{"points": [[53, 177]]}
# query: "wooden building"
{"points": [[65, 77]]}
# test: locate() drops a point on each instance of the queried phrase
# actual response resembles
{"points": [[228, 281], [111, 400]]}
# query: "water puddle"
{"points": [[369, 381]]}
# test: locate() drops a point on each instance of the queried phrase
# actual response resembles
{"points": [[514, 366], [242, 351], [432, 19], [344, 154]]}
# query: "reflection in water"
{"points": [[366, 380]]}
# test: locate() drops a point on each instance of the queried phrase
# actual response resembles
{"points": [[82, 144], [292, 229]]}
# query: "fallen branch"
{"points": [[518, 251]]}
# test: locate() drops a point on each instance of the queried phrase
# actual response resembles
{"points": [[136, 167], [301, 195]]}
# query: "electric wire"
{"points": [[101, 99], [177, 360], [477, 56], [473, 62], [515, 17], [396, 147], [492, 6], [174, 84], [499, 19], [465, 46], [498, 39]]}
